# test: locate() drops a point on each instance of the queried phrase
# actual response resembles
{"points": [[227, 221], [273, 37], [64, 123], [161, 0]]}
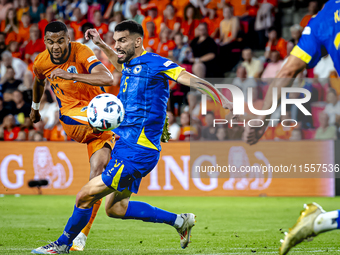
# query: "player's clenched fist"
{"points": [[60, 73], [35, 116], [252, 135], [93, 35]]}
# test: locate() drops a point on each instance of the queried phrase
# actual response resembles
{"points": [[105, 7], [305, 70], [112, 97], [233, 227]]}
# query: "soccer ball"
{"points": [[105, 112]]}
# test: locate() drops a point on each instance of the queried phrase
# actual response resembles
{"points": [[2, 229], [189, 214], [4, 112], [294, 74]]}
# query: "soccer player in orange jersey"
{"points": [[76, 76]]}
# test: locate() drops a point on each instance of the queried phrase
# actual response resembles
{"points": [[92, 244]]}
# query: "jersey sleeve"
{"points": [[309, 48], [164, 66], [87, 58], [37, 70]]}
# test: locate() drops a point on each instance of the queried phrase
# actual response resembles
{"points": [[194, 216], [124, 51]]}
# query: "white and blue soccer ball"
{"points": [[105, 112]]}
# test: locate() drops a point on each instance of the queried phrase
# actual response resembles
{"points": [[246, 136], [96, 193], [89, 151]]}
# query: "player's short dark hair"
{"points": [[55, 27], [132, 26], [86, 26]]}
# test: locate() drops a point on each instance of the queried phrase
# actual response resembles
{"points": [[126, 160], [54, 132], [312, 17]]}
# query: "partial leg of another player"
{"points": [[312, 221], [98, 162]]}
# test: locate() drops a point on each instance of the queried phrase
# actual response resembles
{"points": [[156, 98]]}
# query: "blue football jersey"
{"points": [[144, 92], [321, 35]]}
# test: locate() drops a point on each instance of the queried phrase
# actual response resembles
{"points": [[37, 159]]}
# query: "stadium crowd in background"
{"points": [[246, 42]]}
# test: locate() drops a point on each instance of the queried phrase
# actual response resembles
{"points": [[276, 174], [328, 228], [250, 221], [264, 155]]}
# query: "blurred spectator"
{"points": [[92, 8], [3, 111], [22, 136], [180, 6], [11, 131], [324, 67], [204, 51], [47, 18], [101, 27], [186, 131], [313, 8], [48, 108], [194, 105], [273, 66], [134, 14], [229, 26], [117, 18], [151, 41], [36, 44], [24, 29], [2, 43], [4, 6], [18, 65], [35, 10], [253, 66], [81, 4], [10, 26], [264, 20], [243, 82], [240, 8], [71, 34], [296, 135], [284, 132], [209, 131], [155, 17], [257, 103], [9, 84], [13, 47], [189, 23], [275, 44], [60, 7], [165, 45], [174, 128], [23, 8], [181, 51], [213, 21], [295, 32], [221, 133], [38, 137], [89, 43], [78, 24], [325, 131], [171, 21], [332, 109], [123, 6], [23, 109]]}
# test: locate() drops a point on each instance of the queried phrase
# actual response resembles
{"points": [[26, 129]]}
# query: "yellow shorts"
{"points": [[76, 126]]}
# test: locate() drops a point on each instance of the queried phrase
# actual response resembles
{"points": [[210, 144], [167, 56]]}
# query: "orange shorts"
{"points": [[76, 126]]}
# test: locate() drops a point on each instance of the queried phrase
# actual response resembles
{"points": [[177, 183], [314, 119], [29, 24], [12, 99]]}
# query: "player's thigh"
{"points": [[117, 203], [99, 160], [91, 192]]}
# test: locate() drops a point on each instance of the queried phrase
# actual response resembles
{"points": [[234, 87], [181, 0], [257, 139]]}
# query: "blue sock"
{"points": [[75, 224], [145, 212]]}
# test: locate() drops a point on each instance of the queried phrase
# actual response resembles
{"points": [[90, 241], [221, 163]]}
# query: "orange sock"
{"points": [[87, 228]]}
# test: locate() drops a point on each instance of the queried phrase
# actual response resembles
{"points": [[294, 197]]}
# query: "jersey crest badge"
{"points": [[72, 69], [137, 69]]}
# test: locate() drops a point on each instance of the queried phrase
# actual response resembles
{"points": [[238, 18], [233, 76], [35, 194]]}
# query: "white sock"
{"points": [[179, 221], [326, 221]]}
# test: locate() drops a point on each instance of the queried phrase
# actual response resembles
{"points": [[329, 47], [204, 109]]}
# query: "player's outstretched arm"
{"points": [[38, 91], [109, 52], [284, 78], [205, 87]]}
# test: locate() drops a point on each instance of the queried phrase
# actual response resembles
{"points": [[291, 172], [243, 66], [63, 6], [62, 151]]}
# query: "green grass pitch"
{"points": [[225, 225]]}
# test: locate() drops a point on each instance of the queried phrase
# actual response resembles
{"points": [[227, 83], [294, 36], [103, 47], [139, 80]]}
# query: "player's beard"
{"points": [[63, 54], [128, 55]]}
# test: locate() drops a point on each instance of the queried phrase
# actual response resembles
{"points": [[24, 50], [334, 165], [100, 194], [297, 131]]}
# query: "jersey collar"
{"points": [[68, 55]]}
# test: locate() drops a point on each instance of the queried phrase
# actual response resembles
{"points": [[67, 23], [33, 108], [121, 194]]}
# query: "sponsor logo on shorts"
{"points": [[90, 59]]}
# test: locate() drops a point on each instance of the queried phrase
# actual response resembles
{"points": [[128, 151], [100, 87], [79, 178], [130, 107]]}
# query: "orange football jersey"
{"points": [[81, 59]]}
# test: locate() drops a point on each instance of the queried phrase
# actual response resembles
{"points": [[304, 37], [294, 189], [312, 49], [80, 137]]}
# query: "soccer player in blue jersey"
{"points": [[321, 35], [144, 92]]}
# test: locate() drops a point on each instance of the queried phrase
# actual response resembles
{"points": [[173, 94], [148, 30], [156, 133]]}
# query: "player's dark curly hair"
{"points": [[132, 26], [55, 27]]}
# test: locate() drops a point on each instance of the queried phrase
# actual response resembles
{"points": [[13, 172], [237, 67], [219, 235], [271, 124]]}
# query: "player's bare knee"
{"points": [[117, 210]]}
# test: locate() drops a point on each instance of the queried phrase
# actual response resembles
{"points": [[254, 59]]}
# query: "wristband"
{"points": [[35, 106]]}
